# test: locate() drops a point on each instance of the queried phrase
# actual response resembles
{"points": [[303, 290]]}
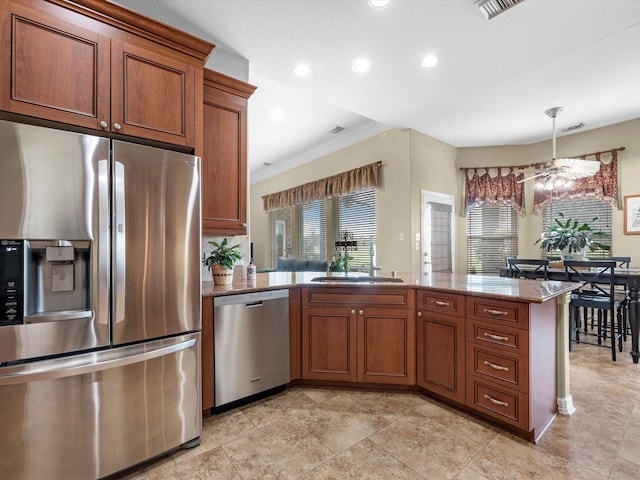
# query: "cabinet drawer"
{"points": [[503, 404], [510, 370], [498, 337], [504, 312], [391, 297], [447, 303]]}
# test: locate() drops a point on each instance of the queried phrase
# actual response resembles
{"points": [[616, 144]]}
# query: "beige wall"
{"points": [[530, 226], [412, 162]]}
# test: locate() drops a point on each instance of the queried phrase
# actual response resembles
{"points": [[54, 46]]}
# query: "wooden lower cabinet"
{"points": [[347, 338], [510, 362], [441, 345]]}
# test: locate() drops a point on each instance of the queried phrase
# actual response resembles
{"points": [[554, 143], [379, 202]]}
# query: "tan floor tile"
{"points": [[624, 470], [211, 465], [339, 422], [507, 457], [363, 461], [429, 448], [284, 450], [275, 409]]}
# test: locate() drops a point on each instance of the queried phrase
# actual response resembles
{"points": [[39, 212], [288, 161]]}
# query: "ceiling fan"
{"points": [[563, 169]]}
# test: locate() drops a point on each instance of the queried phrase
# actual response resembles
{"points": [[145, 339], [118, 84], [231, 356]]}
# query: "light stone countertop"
{"points": [[530, 291]]}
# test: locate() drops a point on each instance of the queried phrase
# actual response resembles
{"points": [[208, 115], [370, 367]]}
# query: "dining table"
{"points": [[628, 277]]}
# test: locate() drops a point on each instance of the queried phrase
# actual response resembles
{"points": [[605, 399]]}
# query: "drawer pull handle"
{"points": [[495, 312], [496, 367], [442, 304], [497, 402], [496, 337]]}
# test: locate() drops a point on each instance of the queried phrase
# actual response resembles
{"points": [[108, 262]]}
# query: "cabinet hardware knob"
{"points": [[353, 312], [103, 124], [441, 304], [495, 337], [419, 314], [497, 402], [495, 312], [117, 126], [360, 312], [496, 367]]}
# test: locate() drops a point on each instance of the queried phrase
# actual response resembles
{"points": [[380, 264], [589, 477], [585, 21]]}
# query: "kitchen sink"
{"points": [[364, 279]]}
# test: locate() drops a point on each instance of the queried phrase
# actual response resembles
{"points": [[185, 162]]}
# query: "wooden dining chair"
{"points": [[598, 300], [529, 268]]}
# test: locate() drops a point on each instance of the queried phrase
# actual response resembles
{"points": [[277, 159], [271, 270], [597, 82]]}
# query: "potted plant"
{"points": [[571, 238], [221, 260]]}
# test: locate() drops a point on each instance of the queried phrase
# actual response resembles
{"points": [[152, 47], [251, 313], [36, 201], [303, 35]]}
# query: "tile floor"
{"points": [[313, 434]]}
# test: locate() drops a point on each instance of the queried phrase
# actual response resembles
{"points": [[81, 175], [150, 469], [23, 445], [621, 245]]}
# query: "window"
{"points": [[583, 211], [492, 235], [310, 231]]}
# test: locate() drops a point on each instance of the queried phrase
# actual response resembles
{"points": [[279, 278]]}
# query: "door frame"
{"points": [[427, 196]]}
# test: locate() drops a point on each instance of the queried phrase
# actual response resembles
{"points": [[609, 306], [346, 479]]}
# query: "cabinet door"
{"points": [[153, 93], [54, 65], [224, 157], [329, 343], [386, 346], [441, 355], [207, 353]]}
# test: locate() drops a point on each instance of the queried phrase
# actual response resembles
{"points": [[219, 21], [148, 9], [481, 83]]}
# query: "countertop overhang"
{"points": [[530, 291]]}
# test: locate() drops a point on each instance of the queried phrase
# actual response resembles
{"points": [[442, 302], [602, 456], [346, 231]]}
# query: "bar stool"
{"points": [[597, 293], [529, 268]]}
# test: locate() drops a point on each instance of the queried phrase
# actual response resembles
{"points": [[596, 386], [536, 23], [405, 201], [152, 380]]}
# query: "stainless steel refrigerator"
{"points": [[100, 298]]}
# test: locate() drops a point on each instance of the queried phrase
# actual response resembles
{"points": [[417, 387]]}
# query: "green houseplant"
{"points": [[221, 260], [571, 237]]}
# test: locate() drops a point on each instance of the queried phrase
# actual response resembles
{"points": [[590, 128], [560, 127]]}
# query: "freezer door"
{"points": [[87, 416], [156, 243]]}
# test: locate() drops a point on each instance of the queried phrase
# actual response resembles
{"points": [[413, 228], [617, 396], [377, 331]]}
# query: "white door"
{"points": [[437, 232]]}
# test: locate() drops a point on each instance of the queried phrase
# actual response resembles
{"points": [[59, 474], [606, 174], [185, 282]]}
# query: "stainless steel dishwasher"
{"points": [[251, 339]]}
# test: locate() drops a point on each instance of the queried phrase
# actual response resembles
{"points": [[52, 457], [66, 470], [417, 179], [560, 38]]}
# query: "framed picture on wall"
{"points": [[632, 214]]}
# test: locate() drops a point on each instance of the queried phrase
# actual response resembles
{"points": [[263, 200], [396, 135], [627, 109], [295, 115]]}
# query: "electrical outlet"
{"points": [[401, 237]]}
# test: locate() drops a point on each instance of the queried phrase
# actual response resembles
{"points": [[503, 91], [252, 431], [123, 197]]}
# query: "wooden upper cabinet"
{"points": [[87, 63], [152, 94], [53, 66], [224, 155]]}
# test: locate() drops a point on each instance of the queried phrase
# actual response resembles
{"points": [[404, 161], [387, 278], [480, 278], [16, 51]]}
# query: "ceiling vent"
{"points": [[571, 128], [491, 8], [337, 129]]}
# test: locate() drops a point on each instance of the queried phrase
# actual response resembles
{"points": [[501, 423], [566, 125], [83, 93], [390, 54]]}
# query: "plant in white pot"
{"points": [[571, 238], [221, 260]]}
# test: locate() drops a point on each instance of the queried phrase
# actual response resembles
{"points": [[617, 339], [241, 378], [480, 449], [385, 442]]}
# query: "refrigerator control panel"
{"points": [[11, 282]]}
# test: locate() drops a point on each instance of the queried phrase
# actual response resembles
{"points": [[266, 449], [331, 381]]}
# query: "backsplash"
{"points": [[232, 240]]}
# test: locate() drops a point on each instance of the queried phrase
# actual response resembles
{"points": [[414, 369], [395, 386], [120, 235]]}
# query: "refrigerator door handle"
{"points": [[69, 367], [119, 244], [102, 306]]}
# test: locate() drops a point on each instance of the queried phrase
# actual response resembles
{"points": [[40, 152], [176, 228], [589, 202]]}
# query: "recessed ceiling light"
{"points": [[278, 114], [301, 71], [361, 65], [378, 3], [429, 61]]}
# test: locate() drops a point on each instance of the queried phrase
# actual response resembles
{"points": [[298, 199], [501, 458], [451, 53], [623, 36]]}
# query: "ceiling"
{"points": [[491, 86]]}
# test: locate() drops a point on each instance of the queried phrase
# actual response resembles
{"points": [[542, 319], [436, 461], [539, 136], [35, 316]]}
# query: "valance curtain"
{"points": [[501, 189], [603, 185], [343, 183]]}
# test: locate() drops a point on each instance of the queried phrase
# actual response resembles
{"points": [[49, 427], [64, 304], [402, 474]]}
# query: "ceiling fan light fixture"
{"points": [[491, 8]]}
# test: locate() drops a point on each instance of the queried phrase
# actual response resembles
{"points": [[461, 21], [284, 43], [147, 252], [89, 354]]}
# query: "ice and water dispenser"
{"points": [[43, 280]]}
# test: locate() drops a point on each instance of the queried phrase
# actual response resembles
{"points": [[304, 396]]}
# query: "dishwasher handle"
{"points": [[253, 304]]}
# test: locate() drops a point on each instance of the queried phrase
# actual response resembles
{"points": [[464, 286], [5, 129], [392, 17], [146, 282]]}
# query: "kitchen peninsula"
{"points": [[494, 347]]}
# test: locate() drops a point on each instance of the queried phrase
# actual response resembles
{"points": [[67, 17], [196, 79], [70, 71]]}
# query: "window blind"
{"points": [[492, 235], [309, 231], [584, 211]]}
